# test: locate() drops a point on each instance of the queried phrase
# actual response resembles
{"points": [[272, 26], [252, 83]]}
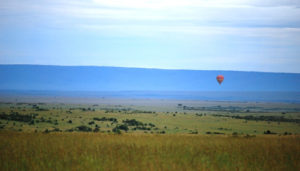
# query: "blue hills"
{"points": [[92, 78]]}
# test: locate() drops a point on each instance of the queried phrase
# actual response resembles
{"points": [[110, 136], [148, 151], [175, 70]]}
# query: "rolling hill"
{"points": [[91, 78]]}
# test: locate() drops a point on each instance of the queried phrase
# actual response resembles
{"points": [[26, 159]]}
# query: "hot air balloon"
{"points": [[220, 79]]}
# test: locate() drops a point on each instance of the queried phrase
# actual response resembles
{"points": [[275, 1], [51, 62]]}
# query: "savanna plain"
{"points": [[149, 135]]}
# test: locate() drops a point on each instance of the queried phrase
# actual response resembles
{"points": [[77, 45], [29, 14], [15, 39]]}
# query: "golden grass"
{"points": [[96, 151]]}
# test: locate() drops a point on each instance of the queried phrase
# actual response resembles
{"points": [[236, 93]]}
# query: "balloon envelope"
{"points": [[220, 78]]}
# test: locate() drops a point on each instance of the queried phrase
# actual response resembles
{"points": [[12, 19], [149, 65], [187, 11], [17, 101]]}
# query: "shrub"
{"points": [[83, 128], [56, 130], [141, 128], [287, 133], [105, 119], [70, 130], [97, 129], [46, 131], [151, 124], [31, 122], [116, 130], [133, 122], [15, 116], [194, 132], [269, 132], [123, 127], [235, 134]]}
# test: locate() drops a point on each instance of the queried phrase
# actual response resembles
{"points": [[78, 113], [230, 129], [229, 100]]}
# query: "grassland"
{"points": [[164, 136], [158, 119], [98, 151]]}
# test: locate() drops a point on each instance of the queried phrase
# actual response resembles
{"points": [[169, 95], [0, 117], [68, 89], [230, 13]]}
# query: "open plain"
{"points": [[136, 134]]}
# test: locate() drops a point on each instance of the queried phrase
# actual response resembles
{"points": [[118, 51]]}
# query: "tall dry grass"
{"points": [[90, 151]]}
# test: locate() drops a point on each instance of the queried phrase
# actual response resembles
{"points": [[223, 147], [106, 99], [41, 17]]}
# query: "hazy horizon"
{"points": [[87, 78], [111, 66]]}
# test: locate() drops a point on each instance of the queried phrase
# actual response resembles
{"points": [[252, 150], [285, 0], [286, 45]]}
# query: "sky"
{"points": [[243, 35]]}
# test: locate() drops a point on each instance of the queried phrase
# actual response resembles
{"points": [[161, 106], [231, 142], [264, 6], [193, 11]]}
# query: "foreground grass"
{"points": [[97, 151]]}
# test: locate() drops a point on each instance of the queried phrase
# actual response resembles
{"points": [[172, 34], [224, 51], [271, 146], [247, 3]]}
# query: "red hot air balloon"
{"points": [[220, 79]]}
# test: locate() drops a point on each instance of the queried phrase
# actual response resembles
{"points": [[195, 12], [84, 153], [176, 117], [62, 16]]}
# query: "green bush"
{"points": [[83, 128], [91, 123]]}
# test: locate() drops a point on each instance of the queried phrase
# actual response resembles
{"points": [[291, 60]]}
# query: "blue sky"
{"points": [[248, 35]]}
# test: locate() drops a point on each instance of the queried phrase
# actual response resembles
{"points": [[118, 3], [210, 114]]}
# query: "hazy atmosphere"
{"points": [[250, 35], [150, 85]]}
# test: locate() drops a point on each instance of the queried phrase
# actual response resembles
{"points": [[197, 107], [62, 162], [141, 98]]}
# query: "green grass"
{"points": [[180, 122]]}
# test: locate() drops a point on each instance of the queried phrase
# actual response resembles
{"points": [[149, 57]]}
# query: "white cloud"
{"points": [[159, 4], [237, 13], [264, 25], [276, 18]]}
